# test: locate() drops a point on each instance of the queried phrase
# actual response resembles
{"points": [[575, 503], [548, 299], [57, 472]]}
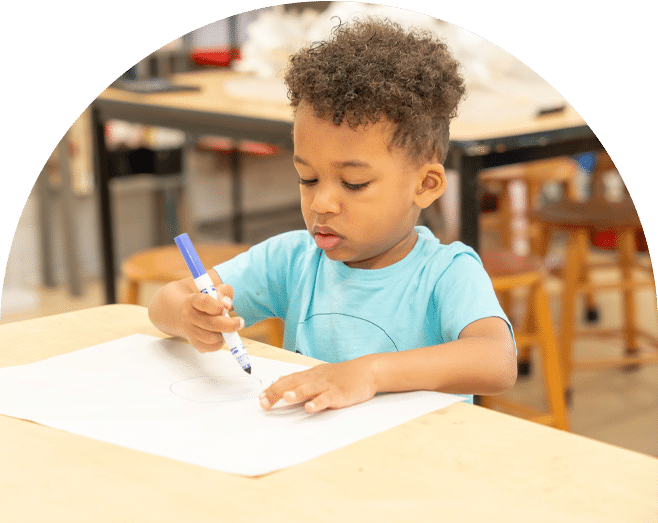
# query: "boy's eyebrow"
{"points": [[347, 163]]}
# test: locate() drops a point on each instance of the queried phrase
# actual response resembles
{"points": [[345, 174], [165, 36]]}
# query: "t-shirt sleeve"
{"points": [[465, 294], [258, 278]]}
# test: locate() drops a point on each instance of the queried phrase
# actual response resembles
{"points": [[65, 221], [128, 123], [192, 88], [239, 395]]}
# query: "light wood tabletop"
{"points": [[462, 463]]}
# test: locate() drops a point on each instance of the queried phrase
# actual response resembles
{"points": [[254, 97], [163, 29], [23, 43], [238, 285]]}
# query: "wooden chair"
{"points": [[581, 221], [509, 271], [160, 265], [534, 176]]}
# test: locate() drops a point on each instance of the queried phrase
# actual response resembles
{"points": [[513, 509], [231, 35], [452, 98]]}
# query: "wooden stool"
{"points": [[165, 264], [579, 220], [510, 271], [534, 175]]}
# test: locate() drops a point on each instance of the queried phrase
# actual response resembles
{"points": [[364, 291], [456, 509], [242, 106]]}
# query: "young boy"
{"points": [[382, 301]]}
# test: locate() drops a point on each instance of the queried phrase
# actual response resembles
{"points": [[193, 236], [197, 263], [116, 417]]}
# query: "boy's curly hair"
{"points": [[372, 69]]}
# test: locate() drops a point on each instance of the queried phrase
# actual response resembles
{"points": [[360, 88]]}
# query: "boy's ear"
{"points": [[431, 184]]}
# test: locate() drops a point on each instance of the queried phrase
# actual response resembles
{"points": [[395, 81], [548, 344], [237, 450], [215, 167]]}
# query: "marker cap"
{"points": [[190, 255]]}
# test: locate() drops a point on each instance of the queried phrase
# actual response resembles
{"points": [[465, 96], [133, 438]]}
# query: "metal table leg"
{"points": [[105, 211], [236, 195], [469, 230]]}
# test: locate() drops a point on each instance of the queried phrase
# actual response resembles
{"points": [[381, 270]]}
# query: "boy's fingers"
{"points": [[267, 400], [272, 394], [290, 390], [320, 402], [205, 303], [204, 347], [225, 290], [203, 340], [302, 392], [207, 313], [204, 336], [220, 323]]}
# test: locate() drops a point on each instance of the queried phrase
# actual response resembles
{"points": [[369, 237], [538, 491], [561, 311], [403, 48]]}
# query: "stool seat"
{"points": [[592, 214]]}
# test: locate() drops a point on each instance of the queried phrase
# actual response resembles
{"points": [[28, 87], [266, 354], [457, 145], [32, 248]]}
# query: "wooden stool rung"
{"points": [[650, 337], [599, 333], [621, 285], [610, 363], [616, 333]]}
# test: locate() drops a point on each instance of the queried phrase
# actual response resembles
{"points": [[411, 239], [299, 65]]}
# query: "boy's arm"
{"points": [[179, 309], [481, 361]]}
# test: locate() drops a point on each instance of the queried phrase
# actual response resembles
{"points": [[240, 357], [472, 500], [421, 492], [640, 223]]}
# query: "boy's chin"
{"points": [[339, 256]]}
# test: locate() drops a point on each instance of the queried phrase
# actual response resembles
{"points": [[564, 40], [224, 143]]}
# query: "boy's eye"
{"points": [[356, 186], [305, 181]]}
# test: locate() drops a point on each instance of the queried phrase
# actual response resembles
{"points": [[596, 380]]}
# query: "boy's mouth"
{"points": [[326, 238], [326, 241]]}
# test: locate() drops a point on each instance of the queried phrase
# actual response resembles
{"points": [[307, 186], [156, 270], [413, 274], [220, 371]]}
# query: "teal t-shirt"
{"points": [[335, 313]]}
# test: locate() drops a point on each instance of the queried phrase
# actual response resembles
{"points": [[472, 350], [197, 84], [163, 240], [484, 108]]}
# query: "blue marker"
{"points": [[205, 284]]}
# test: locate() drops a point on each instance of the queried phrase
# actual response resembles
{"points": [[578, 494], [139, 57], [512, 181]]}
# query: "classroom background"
{"points": [[164, 180]]}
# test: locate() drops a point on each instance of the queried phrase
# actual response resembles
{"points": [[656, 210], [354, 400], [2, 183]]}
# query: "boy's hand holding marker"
{"points": [[203, 319], [206, 321]]}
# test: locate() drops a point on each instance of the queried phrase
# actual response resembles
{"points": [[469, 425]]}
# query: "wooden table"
{"points": [[476, 144], [462, 463]]}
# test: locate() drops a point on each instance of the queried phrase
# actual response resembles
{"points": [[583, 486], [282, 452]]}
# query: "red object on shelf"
{"points": [[226, 145], [609, 239], [215, 56]]}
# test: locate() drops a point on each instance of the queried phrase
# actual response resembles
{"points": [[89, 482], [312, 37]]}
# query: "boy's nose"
{"points": [[325, 201]]}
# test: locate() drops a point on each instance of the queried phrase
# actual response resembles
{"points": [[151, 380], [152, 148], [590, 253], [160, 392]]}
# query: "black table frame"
{"points": [[466, 157]]}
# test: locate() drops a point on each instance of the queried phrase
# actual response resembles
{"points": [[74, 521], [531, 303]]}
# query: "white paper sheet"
{"points": [[163, 397]]}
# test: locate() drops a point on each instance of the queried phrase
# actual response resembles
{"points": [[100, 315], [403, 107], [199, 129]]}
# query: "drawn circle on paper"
{"points": [[217, 389]]}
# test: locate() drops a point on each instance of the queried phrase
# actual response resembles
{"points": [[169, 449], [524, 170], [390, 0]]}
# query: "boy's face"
{"points": [[358, 196]]}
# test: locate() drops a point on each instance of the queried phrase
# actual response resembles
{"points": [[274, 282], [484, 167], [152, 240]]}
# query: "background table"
{"points": [[213, 109], [462, 463]]}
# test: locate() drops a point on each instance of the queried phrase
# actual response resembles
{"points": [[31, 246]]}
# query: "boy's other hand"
{"points": [[203, 319], [326, 386]]}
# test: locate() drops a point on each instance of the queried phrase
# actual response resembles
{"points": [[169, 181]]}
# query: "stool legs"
{"points": [[131, 294], [626, 248], [576, 246], [552, 369]]}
